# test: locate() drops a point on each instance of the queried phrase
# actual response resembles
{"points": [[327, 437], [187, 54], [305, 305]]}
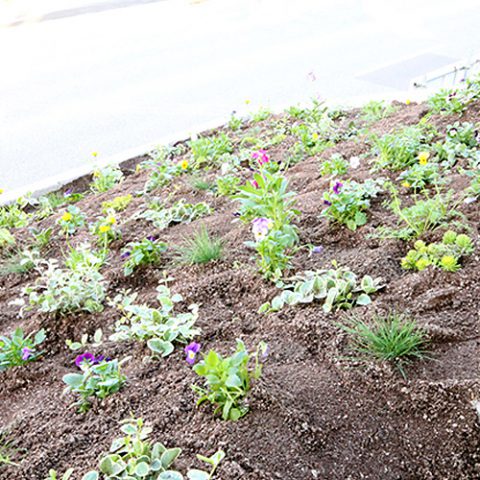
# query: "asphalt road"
{"points": [[112, 79]]}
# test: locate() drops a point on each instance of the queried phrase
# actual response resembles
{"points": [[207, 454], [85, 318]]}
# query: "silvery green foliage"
{"points": [[79, 286], [134, 457], [160, 327], [337, 287], [180, 212]]}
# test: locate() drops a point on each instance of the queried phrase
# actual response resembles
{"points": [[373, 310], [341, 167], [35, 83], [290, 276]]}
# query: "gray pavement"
{"points": [[119, 78]]}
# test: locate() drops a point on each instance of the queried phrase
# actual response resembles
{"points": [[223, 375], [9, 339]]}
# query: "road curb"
{"points": [[56, 182]]}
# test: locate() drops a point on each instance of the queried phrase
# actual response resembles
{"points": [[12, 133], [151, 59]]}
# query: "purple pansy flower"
{"points": [[68, 192], [317, 249], [85, 357], [336, 188], [327, 203], [191, 350], [261, 227], [26, 353], [152, 238], [125, 255]]}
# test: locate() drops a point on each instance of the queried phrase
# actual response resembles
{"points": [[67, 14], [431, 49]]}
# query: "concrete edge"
{"points": [[56, 182]]}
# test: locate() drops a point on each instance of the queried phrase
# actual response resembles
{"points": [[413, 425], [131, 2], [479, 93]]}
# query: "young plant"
{"points": [[105, 179], [95, 341], [77, 287], [228, 379], [53, 475], [118, 204], [336, 165], [7, 239], [41, 237], [451, 101], [445, 254], [400, 150], [420, 176], [159, 327], [100, 378], [71, 220], [346, 202], [423, 216], [147, 252], [337, 288], [227, 185], [134, 457], [376, 110], [14, 215], [106, 230], [180, 212], [18, 350], [393, 338], [209, 150], [200, 248]]}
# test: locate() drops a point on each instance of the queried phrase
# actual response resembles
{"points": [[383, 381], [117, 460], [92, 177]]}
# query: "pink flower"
{"points": [[254, 183], [261, 157], [261, 227]]}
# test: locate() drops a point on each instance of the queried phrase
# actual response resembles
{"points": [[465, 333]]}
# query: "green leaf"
{"points": [[142, 469], [169, 456], [73, 380], [197, 475], [170, 475], [90, 476], [159, 346], [363, 299]]}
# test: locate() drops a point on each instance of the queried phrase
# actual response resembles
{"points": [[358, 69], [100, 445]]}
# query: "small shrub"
{"points": [[100, 378], [445, 254], [394, 338], [105, 179], [134, 457], [228, 380], [18, 350], [337, 288], [201, 248], [159, 327], [346, 202], [147, 252]]}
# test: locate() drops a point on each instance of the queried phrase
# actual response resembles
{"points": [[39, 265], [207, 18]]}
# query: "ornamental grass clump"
{"points": [[347, 201], [445, 254], [159, 327], [227, 380], [149, 251], [134, 457], [337, 288], [20, 349], [100, 378], [200, 248], [393, 338]]}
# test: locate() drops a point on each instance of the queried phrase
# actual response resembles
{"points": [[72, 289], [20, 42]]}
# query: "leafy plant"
{"points": [[105, 179], [227, 185], [420, 176], [399, 150], [461, 141], [78, 287], [18, 350], [336, 165], [118, 204], [209, 150], [424, 215], [180, 212], [149, 251], [337, 288], [160, 327], [393, 338], [228, 380], [53, 475], [163, 167], [346, 202], [134, 457], [98, 379], [96, 341], [445, 254], [41, 237], [376, 110], [14, 216], [6, 239], [106, 230], [449, 101], [200, 248], [71, 220]]}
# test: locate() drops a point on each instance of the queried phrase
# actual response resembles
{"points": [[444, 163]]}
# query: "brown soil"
{"points": [[315, 413]]}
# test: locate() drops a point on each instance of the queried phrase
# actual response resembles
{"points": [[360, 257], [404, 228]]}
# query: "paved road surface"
{"points": [[96, 77]]}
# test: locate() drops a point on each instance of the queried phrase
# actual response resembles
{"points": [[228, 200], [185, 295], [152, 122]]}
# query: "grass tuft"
{"points": [[201, 248]]}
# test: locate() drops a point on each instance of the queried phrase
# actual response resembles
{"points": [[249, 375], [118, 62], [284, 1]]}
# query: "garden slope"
{"points": [[314, 414]]}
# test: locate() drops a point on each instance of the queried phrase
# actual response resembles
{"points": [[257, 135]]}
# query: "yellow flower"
{"points": [[315, 136], [423, 158], [184, 164], [104, 228], [1, 191], [406, 184], [138, 168], [247, 102], [94, 154], [96, 174], [111, 219], [67, 216], [408, 101]]}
